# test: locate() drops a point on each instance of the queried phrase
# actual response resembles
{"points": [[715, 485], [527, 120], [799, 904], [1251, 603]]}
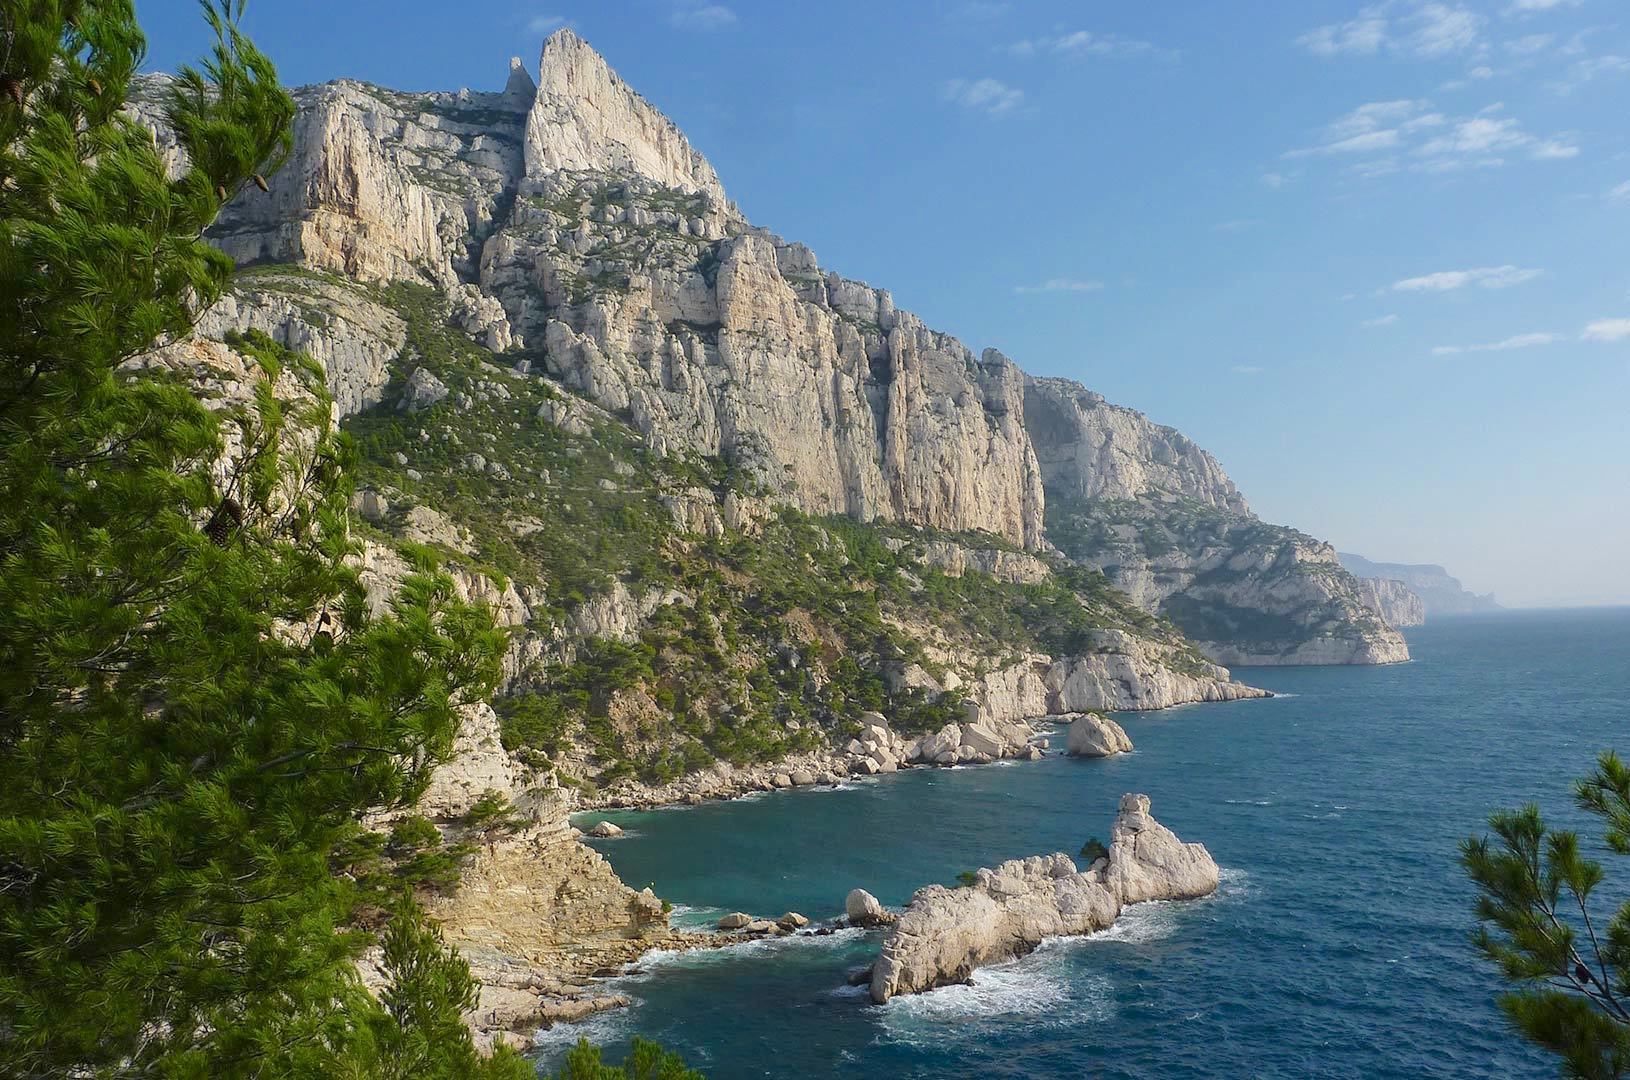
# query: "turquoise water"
{"points": [[1335, 948]]}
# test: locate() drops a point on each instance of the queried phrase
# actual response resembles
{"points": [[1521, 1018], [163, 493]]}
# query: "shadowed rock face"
{"points": [[946, 933]]}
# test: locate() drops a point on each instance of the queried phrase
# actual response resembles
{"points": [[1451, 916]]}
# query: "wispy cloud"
{"points": [[1486, 277], [545, 24], [1427, 30], [1390, 136], [1086, 43], [1529, 7], [1274, 180], [1246, 369], [1608, 330], [1061, 285], [1589, 70], [1380, 320], [983, 95], [696, 15], [1521, 341], [1621, 193]]}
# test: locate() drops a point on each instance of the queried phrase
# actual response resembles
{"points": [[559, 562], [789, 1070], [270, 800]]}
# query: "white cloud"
{"points": [[1608, 330], [1424, 29], [1061, 285], [694, 15], [1407, 133], [983, 95], [1275, 180], [1521, 341], [1363, 36], [1621, 193], [1380, 320], [1085, 43], [1246, 369], [1530, 44], [1441, 29], [1525, 7], [545, 24], [1589, 70], [1487, 277]]}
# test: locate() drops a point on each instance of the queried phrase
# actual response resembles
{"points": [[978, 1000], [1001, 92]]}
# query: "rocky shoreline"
{"points": [[876, 751]]}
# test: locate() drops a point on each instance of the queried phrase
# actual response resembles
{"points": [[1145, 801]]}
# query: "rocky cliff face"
{"points": [[1439, 593], [1393, 601], [552, 333], [1158, 515]]}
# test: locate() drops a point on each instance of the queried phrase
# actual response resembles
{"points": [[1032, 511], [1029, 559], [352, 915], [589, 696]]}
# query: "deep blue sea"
{"points": [[1337, 946]]}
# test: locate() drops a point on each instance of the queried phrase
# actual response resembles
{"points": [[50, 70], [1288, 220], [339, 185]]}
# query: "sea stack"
{"points": [[946, 933]]}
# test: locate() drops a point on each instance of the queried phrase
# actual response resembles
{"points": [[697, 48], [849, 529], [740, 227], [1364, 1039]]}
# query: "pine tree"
{"points": [[1570, 968], [195, 701]]}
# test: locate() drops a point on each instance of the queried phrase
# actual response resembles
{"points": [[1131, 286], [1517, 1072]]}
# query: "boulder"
{"points": [[760, 926], [422, 390], [605, 830], [802, 777], [792, 921], [982, 740], [1092, 735], [936, 746], [736, 920], [863, 909], [946, 933]]}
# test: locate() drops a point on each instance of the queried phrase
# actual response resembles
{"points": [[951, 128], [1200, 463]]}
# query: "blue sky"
{"points": [[1372, 256]]}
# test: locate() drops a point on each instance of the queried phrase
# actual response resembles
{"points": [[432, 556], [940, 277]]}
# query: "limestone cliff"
{"points": [[569, 227], [1393, 601], [1158, 515], [1439, 593]]}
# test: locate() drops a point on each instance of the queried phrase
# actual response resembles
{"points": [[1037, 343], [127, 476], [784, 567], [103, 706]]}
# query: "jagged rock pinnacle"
{"points": [[586, 118]]}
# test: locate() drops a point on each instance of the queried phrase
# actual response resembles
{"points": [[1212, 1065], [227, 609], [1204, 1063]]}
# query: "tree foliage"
{"points": [[1569, 965], [196, 702], [645, 1061]]}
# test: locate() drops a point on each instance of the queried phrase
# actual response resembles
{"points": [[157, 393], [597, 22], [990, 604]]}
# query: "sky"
{"points": [[1371, 255]]}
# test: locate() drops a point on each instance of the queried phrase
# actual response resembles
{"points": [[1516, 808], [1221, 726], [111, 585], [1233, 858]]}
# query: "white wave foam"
{"points": [[1249, 802], [1037, 991], [601, 1028]]}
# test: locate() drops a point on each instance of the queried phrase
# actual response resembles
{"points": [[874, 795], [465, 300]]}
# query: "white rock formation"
{"points": [[1091, 735], [1148, 862], [863, 909], [946, 933]]}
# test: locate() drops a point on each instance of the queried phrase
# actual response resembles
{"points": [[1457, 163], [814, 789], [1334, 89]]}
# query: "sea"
{"points": [[1337, 946]]}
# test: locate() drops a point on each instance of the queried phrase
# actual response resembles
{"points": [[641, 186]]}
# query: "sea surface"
{"points": [[1336, 947]]}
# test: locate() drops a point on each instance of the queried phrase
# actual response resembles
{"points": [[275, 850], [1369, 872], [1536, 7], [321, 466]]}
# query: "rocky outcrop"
{"points": [[1393, 601], [1440, 593], [1245, 591], [586, 119], [1091, 735], [946, 933], [1090, 449], [1148, 862]]}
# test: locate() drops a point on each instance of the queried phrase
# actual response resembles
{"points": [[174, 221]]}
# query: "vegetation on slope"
{"points": [[775, 634]]}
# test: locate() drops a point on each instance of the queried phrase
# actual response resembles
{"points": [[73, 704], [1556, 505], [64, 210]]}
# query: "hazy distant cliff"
{"points": [[1440, 594]]}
